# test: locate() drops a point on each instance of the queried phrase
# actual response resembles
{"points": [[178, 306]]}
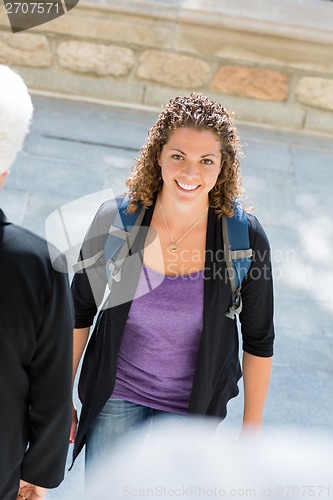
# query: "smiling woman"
{"points": [[190, 163], [171, 349], [197, 114]]}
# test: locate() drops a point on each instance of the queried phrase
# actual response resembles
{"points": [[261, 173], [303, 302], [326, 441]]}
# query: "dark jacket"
{"points": [[218, 368], [36, 321]]}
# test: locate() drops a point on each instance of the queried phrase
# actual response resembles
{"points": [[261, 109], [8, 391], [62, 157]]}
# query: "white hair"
{"points": [[15, 115]]}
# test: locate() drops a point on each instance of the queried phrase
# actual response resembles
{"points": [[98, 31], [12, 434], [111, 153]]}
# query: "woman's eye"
{"points": [[206, 161], [177, 157]]}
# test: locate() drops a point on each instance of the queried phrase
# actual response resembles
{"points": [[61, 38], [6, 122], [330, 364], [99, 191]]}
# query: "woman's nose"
{"points": [[190, 168]]}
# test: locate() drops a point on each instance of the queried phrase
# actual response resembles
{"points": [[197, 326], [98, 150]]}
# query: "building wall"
{"points": [[270, 62]]}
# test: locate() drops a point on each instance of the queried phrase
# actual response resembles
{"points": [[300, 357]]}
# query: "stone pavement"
{"points": [[76, 149]]}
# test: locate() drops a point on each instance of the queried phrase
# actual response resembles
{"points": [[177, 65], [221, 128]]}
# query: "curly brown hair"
{"points": [[198, 112]]}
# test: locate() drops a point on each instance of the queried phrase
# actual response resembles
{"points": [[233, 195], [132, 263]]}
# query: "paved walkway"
{"points": [[77, 149]]}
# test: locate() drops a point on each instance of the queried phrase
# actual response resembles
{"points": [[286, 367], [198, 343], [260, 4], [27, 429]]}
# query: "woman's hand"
{"points": [[72, 434], [28, 491]]}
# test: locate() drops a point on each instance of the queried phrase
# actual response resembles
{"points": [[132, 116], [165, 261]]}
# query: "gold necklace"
{"points": [[174, 244]]}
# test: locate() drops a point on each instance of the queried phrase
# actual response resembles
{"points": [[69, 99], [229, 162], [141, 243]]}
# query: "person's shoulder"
{"points": [[26, 239], [100, 225], [107, 210], [258, 236], [105, 216], [26, 250]]}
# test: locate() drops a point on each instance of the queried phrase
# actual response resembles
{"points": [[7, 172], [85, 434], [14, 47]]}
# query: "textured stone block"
{"points": [[87, 85], [108, 26], [244, 39], [278, 114], [316, 92], [264, 84], [319, 121], [173, 70], [84, 57], [25, 49]]}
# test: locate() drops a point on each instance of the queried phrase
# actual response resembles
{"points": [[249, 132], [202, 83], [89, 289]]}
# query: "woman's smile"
{"points": [[187, 187]]}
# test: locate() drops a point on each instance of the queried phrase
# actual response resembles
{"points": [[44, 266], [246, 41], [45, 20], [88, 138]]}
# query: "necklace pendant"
{"points": [[173, 247]]}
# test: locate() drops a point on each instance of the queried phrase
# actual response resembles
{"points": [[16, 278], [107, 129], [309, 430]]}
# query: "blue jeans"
{"points": [[118, 418]]}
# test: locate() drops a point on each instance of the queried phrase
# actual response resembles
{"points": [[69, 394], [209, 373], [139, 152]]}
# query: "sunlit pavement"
{"points": [[76, 149]]}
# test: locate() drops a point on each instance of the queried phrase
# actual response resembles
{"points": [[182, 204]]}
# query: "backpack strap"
{"points": [[122, 234], [238, 255], [82, 264]]}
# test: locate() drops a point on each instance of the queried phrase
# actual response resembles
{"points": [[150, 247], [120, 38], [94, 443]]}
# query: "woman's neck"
{"points": [[176, 209]]}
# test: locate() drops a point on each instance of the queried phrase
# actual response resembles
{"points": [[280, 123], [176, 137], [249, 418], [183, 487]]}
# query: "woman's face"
{"points": [[190, 164]]}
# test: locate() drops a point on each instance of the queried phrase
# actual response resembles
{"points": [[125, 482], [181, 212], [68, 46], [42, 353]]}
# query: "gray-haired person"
{"points": [[35, 334]]}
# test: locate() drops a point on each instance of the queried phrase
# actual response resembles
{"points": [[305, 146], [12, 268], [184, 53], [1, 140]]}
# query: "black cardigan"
{"points": [[218, 367]]}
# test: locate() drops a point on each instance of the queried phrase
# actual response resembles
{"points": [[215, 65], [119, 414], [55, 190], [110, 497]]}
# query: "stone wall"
{"points": [[271, 63]]}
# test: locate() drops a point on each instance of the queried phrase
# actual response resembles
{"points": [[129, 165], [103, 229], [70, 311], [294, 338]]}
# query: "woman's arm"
{"points": [[257, 327], [88, 287], [256, 377], [80, 338]]}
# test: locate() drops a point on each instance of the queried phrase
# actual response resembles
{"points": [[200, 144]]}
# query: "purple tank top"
{"points": [[157, 356]]}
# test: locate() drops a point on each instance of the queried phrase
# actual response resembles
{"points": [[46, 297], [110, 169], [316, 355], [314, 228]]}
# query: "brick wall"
{"points": [[271, 63]]}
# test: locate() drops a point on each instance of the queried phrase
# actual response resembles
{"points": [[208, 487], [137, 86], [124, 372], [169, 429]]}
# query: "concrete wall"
{"points": [[271, 62]]}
